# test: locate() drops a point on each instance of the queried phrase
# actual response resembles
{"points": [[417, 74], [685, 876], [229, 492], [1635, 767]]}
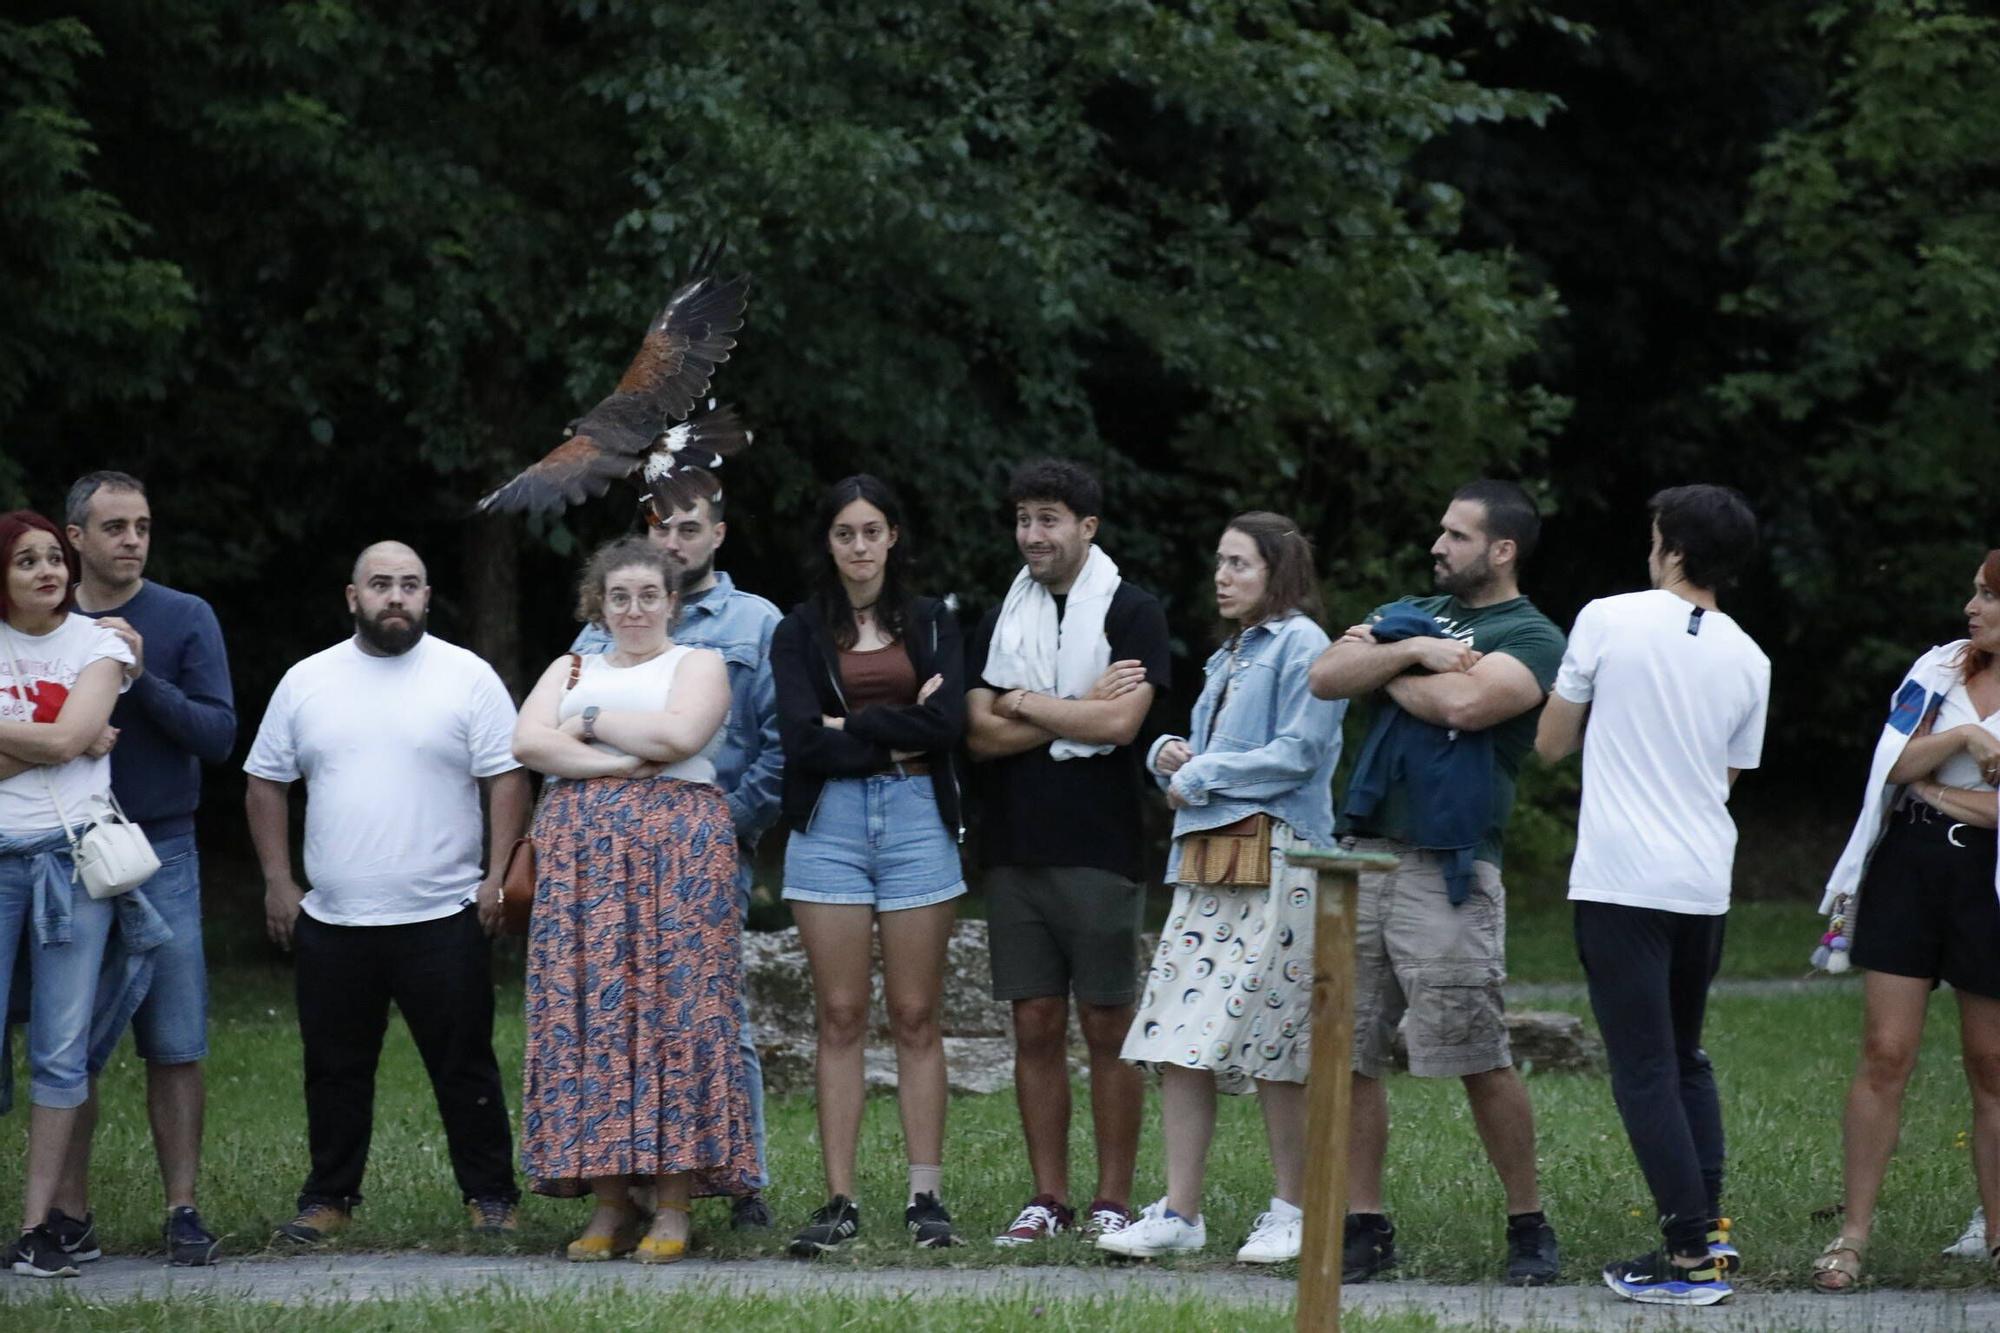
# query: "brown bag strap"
{"points": [[575, 670]]}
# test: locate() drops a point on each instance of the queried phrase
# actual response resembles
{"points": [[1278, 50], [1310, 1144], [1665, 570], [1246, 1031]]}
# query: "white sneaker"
{"points": [[1276, 1236], [1971, 1245], [1156, 1233]]}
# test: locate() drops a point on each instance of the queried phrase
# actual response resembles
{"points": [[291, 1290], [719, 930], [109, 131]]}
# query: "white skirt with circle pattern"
{"points": [[1230, 989]]}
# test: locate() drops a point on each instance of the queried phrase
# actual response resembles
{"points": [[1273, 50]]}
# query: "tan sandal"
{"points": [[1838, 1268]]}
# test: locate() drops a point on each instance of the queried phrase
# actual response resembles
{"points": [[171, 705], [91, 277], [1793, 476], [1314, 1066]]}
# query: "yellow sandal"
{"points": [[1838, 1268], [597, 1249], [660, 1249]]}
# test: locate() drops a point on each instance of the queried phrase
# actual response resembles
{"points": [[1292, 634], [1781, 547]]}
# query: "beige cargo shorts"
{"points": [[1415, 953]]}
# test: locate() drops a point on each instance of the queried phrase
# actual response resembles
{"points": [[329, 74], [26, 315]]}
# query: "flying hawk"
{"points": [[643, 429]]}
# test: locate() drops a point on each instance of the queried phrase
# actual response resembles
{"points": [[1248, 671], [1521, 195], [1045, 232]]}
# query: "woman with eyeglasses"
{"points": [[871, 704], [634, 1086]]}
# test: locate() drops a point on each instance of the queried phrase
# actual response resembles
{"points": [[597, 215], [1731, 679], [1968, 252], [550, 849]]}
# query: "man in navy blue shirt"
{"points": [[178, 713]]}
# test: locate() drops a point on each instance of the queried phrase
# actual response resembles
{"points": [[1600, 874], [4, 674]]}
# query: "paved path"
{"points": [[362, 1277]]}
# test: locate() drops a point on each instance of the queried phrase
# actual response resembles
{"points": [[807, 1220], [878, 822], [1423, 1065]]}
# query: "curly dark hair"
{"points": [[1060, 480], [829, 595], [625, 553]]}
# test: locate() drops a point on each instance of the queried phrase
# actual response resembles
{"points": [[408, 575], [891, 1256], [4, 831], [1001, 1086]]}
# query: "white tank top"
{"points": [[638, 689], [1960, 770]]}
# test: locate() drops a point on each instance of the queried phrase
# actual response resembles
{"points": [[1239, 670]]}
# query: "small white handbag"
{"points": [[112, 855]]}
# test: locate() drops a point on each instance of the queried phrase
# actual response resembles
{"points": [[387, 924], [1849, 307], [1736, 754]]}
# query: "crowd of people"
{"points": [[689, 718]]}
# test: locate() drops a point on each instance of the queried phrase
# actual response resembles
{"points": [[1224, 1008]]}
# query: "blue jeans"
{"points": [[171, 1025], [875, 842], [62, 981]]}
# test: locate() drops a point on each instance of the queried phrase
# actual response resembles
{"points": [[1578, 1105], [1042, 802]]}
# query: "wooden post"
{"points": [[1329, 1087]]}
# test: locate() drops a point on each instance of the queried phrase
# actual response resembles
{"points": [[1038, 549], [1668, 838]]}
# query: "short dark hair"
{"points": [[76, 509], [1510, 513], [1057, 479], [1290, 582], [1711, 528]]}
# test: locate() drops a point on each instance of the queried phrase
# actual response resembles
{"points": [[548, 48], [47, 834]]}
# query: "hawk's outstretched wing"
{"points": [[692, 336]]}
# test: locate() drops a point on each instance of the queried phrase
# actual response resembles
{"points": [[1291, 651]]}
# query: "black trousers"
{"points": [[439, 974], [1649, 973]]}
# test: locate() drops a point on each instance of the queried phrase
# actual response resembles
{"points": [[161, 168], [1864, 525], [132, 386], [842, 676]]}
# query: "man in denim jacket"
{"points": [[1420, 948], [716, 614]]}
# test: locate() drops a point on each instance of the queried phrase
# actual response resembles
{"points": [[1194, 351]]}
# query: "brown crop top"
{"points": [[878, 676]]}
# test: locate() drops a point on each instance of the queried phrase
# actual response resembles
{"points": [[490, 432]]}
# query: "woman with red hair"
{"points": [[60, 673], [1921, 862]]}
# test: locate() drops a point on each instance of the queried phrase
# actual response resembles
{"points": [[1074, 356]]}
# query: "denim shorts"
{"points": [[874, 842], [171, 1025]]}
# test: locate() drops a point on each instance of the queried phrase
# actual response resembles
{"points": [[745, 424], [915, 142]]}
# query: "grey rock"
{"points": [[1544, 1040]]}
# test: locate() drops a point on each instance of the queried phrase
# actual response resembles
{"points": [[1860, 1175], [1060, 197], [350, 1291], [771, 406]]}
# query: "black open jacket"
{"points": [[806, 668]]}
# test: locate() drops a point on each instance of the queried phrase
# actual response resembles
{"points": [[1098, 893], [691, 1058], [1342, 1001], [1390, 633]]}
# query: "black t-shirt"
{"points": [[1076, 812]]}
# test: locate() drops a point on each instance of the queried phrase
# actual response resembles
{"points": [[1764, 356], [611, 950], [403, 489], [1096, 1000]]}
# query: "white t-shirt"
{"points": [[1671, 711], [50, 664], [391, 749]]}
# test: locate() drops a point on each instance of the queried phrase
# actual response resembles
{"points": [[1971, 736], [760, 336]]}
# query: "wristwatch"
{"points": [[590, 722]]}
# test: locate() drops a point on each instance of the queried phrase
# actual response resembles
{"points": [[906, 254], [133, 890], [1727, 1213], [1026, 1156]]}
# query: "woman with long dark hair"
{"points": [[871, 704], [1228, 1002], [1916, 895]]}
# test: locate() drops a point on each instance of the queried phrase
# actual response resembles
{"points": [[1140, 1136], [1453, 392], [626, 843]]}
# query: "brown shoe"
{"points": [[316, 1222], [494, 1217]]}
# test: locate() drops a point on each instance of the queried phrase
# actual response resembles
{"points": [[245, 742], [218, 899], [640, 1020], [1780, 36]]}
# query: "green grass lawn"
{"points": [[1783, 1062]]}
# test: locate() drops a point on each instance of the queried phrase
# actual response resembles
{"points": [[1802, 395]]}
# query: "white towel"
{"points": [[1031, 651]]}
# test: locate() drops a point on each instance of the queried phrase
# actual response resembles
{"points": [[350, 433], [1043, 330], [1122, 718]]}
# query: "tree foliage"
{"points": [[1183, 242], [1874, 228]]}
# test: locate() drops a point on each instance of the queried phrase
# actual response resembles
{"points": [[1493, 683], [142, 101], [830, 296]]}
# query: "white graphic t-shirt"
{"points": [[48, 665], [391, 750]]}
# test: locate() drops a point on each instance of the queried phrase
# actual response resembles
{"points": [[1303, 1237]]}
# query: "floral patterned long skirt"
{"points": [[635, 990]]}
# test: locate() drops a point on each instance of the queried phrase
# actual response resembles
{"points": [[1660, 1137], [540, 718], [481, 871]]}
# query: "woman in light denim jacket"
{"points": [[1229, 997]]}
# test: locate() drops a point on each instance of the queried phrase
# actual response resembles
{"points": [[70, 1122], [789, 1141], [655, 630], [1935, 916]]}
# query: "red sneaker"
{"points": [[1106, 1218], [1042, 1219]]}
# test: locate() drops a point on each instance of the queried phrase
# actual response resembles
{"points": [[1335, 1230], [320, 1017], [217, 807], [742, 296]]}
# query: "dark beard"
{"points": [[1474, 578], [695, 574], [390, 640]]}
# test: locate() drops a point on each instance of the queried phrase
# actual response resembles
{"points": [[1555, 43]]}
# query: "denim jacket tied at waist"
{"points": [[1271, 748], [127, 971]]}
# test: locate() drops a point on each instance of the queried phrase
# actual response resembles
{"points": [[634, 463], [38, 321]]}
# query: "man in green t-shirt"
{"points": [[1416, 950]]}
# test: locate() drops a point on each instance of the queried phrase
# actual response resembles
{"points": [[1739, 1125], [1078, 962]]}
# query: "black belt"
{"points": [[1920, 814]]}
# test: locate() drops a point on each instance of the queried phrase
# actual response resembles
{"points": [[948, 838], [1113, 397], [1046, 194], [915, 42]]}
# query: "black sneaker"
{"points": [[837, 1220], [1654, 1279], [189, 1243], [749, 1212], [1367, 1248], [38, 1254], [929, 1223], [77, 1236], [1533, 1257]]}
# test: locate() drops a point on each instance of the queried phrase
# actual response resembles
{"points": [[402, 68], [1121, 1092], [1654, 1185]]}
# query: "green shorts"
{"points": [[1054, 930]]}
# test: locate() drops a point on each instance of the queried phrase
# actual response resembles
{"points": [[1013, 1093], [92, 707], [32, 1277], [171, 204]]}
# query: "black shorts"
{"points": [[1928, 906], [1054, 930]]}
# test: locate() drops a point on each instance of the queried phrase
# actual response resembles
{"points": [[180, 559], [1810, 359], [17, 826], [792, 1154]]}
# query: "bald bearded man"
{"points": [[395, 734]]}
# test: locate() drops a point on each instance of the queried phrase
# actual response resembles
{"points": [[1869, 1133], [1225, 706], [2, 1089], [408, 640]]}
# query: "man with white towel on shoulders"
{"points": [[1061, 677]]}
